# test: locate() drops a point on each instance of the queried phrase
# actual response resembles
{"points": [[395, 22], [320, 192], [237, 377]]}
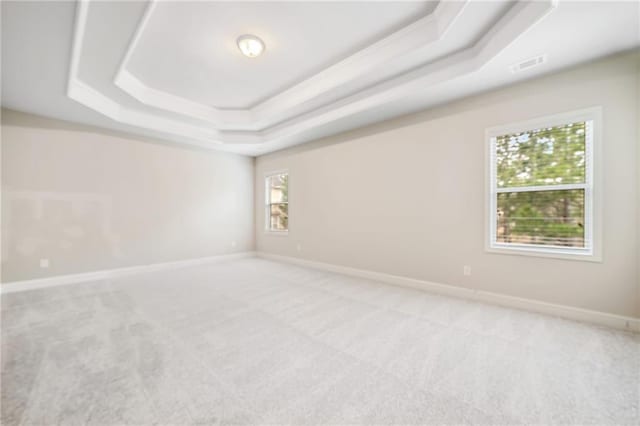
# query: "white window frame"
{"points": [[267, 208], [592, 187]]}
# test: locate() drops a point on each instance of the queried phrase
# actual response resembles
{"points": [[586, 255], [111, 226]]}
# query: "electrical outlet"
{"points": [[299, 247], [466, 270], [233, 244], [44, 263]]}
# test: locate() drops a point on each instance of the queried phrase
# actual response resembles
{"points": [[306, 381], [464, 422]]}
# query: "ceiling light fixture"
{"points": [[250, 45]]}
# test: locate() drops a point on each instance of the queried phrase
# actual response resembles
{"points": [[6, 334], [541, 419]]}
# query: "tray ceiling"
{"points": [[199, 58], [189, 50], [172, 69]]}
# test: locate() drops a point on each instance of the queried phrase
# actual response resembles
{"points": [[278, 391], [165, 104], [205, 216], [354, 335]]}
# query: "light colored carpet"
{"points": [[259, 342]]}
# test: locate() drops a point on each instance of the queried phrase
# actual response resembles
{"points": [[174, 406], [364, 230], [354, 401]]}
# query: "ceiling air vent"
{"points": [[528, 63]]}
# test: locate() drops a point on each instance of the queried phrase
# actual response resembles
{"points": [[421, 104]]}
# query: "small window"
{"points": [[541, 186], [277, 202]]}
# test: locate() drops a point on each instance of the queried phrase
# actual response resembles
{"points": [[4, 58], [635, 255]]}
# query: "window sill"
{"points": [[551, 253], [276, 233]]}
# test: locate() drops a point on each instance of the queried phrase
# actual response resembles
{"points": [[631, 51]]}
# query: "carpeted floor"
{"points": [[258, 342]]}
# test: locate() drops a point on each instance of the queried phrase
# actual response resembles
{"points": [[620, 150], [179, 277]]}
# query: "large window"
{"points": [[541, 186], [277, 202]]}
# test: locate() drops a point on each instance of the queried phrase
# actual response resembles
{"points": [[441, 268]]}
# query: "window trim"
{"points": [[267, 204], [592, 187]]}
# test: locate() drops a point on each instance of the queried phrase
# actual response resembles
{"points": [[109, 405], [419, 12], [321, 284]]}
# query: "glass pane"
{"points": [[279, 217], [549, 156], [278, 188], [554, 218]]}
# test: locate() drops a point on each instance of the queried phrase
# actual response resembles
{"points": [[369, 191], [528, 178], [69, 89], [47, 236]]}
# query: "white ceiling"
{"points": [[189, 49], [172, 70]]}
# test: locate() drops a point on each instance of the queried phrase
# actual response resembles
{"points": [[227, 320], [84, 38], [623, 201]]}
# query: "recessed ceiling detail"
{"points": [[181, 91]]}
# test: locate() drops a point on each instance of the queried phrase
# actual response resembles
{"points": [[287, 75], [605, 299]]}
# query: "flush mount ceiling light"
{"points": [[250, 45]]}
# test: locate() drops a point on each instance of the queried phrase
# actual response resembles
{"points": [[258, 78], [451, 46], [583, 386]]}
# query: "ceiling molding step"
{"points": [[421, 33], [232, 129]]}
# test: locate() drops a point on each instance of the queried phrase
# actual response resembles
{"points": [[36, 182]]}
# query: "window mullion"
{"points": [[542, 188]]}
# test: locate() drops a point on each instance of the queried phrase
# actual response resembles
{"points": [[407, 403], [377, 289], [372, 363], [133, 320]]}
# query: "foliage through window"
{"points": [[541, 190], [277, 202]]}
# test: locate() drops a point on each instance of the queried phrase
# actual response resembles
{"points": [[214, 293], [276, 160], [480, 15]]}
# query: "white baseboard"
{"points": [[569, 312], [38, 283]]}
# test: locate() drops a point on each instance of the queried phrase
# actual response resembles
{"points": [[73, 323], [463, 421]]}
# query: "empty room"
{"points": [[320, 213]]}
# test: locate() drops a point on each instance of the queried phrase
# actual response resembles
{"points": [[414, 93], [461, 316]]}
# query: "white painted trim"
{"points": [[521, 17], [271, 233], [79, 27], [563, 311], [267, 202], [427, 30], [86, 95], [569, 312], [539, 188], [25, 285], [592, 187], [92, 98]]}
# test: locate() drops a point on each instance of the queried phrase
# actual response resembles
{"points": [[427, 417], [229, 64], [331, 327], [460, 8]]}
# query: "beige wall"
{"points": [[407, 197], [88, 199], [404, 197], [638, 172]]}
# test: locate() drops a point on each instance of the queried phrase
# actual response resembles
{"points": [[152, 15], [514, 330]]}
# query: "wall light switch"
{"points": [[299, 247], [233, 244], [466, 270], [44, 263]]}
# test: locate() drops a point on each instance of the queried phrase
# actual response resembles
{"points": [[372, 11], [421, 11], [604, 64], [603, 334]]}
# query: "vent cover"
{"points": [[528, 63]]}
